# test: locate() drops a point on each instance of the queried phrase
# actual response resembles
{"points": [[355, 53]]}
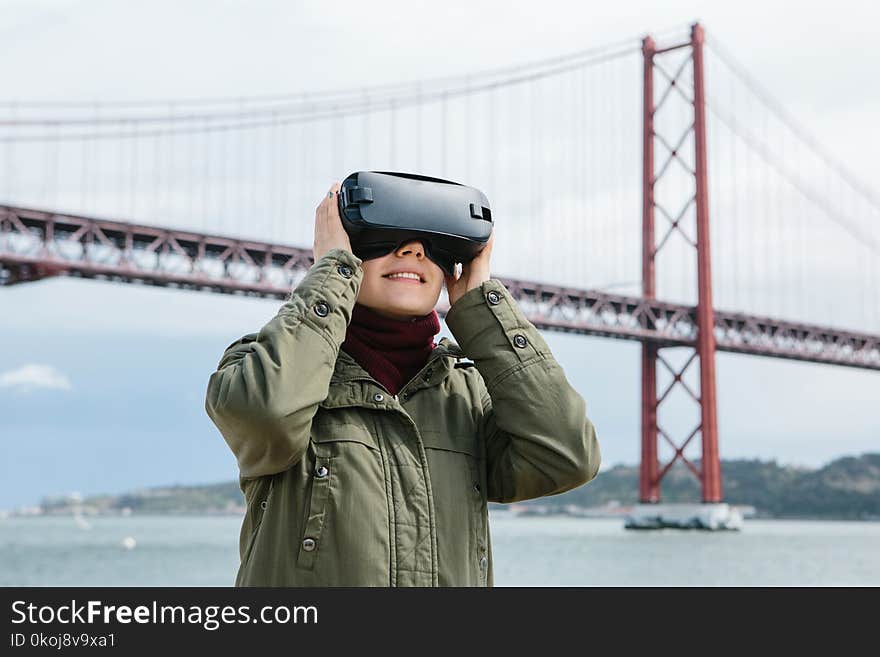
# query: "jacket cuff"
{"points": [[325, 297], [492, 330]]}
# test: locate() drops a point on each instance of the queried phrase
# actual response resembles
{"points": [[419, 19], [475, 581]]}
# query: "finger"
{"points": [[485, 252], [333, 205], [329, 200], [331, 194]]}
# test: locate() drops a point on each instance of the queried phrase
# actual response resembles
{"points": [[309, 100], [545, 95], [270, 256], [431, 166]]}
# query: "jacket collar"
{"points": [[351, 384]]}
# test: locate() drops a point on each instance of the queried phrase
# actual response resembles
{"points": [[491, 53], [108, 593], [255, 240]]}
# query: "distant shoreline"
{"points": [[848, 488], [226, 514], [494, 510]]}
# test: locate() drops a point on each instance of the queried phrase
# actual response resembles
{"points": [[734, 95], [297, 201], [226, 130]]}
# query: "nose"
{"points": [[413, 246]]}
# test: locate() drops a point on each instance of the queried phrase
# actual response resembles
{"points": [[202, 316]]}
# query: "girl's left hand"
{"points": [[472, 275]]}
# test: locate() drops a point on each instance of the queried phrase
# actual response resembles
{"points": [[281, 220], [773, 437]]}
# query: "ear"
{"points": [[447, 280]]}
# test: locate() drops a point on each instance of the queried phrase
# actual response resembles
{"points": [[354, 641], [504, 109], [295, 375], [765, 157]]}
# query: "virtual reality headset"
{"points": [[381, 210]]}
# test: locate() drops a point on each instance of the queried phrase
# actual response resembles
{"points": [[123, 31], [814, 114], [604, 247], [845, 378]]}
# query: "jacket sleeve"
{"points": [[268, 385], [539, 440]]}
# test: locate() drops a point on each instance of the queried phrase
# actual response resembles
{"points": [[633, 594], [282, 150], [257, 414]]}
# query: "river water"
{"points": [[528, 551]]}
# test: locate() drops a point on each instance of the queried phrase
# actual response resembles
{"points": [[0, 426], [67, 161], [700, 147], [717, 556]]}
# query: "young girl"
{"points": [[368, 453]]}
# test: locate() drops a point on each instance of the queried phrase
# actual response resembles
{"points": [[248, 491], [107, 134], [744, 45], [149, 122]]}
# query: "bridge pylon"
{"points": [[709, 470]]}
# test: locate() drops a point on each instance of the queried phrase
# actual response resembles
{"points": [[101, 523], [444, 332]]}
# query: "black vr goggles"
{"points": [[380, 210]]}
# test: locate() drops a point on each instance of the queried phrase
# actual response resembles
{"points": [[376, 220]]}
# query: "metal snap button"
{"points": [[345, 270], [263, 505], [378, 397], [493, 297], [308, 544], [519, 341], [321, 309], [322, 471]]}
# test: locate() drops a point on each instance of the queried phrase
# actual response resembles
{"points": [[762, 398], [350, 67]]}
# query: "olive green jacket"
{"points": [[348, 485]]}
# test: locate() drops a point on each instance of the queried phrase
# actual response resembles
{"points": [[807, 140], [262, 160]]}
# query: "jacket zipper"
{"points": [[417, 375]]}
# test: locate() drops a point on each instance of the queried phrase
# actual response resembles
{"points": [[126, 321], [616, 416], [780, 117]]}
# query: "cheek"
{"points": [[370, 286], [371, 278]]}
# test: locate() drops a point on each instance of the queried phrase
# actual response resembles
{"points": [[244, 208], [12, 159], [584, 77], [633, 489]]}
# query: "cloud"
{"points": [[32, 376]]}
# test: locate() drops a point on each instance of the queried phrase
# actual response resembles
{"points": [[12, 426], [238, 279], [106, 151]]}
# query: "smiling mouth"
{"points": [[404, 280]]}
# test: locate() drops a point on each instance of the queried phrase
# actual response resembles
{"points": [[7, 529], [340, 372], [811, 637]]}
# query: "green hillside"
{"points": [[847, 488]]}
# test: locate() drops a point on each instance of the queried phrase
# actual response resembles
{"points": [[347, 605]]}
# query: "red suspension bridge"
{"points": [[754, 239]]}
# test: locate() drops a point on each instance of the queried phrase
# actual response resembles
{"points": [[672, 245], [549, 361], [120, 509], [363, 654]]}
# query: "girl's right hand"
{"points": [[329, 232]]}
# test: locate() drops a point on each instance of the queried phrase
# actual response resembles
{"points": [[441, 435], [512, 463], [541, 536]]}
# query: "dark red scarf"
{"points": [[392, 351]]}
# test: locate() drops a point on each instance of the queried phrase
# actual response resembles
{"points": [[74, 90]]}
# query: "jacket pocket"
{"points": [[257, 505], [341, 427], [458, 479], [322, 475], [250, 546]]}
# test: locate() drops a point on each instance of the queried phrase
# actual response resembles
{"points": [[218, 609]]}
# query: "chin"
{"points": [[406, 309], [400, 305], [409, 313]]}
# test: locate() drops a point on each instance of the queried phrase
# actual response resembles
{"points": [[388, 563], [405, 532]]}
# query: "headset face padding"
{"points": [[443, 259], [382, 210]]}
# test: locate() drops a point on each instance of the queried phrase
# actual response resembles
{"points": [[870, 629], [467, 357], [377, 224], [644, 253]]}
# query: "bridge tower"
{"points": [[709, 472]]}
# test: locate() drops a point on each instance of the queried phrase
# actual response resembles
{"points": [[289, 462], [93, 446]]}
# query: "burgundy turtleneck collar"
{"points": [[392, 351]]}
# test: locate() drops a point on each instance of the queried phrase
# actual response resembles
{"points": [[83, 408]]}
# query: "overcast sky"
{"points": [[102, 385]]}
